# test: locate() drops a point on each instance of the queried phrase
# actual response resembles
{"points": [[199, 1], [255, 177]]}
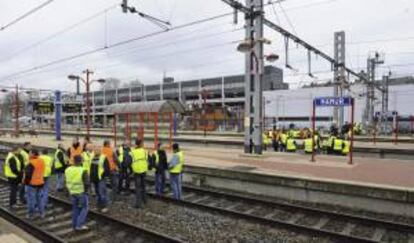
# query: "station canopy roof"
{"points": [[161, 106]]}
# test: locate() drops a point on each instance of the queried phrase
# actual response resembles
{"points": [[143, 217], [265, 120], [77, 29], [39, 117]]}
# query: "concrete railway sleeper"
{"points": [[339, 227], [56, 226]]}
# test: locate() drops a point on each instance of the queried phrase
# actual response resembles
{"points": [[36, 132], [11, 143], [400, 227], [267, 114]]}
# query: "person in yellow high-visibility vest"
{"points": [[346, 147], [60, 162], [307, 144], [330, 143], [77, 183], [87, 156], [48, 160], [283, 139], [13, 172], [290, 145], [24, 157], [266, 141], [139, 167], [175, 167], [338, 146]]}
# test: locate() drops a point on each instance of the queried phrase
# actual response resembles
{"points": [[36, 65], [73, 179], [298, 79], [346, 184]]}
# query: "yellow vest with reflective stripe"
{"points": [[283, 138], [120, 154], [25, 156], [290, 145], [87, 158], [139, 160], [74, 181], [338, 145], [100, 164], [7, 170], [346, 148], [157, 157], [308, 145], [330, 140], [266, 139], [178, 168], [48, 164], [59, 164]]}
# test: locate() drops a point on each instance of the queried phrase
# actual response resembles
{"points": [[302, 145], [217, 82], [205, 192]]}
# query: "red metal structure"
{"points": [[136, 119]]}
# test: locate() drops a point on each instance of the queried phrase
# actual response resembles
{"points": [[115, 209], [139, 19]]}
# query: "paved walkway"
{"points": [[9, 233], [380, 172]]}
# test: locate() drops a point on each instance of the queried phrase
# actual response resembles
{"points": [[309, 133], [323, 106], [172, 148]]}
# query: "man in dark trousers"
{"points": [[139, 168], [13, 171], [175, 168], [160, 164], [59, 166], [23, 156], [125, 170]]}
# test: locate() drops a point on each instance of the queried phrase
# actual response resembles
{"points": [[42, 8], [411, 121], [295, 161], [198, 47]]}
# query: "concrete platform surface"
{"points": [[367, 171], [9, 233]]}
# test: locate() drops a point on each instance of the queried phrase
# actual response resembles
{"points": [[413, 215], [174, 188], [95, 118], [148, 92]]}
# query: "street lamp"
{"points": [[249, 47], [87, 83]]}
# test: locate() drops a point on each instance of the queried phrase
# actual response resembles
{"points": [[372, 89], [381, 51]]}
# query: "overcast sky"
{"points": [[200, 51]]}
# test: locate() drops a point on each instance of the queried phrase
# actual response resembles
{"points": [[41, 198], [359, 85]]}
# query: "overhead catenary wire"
{"points": [[120, 43], [58, 33], [25, 15], [141, 48]]}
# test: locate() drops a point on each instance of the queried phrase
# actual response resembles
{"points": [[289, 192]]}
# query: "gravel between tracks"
{"points": [[193, 225]]}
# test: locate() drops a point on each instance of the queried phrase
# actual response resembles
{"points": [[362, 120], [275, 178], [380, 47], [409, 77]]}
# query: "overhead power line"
{"points": [[58, 33], [121, 43], [139, 49], [32, 11]]}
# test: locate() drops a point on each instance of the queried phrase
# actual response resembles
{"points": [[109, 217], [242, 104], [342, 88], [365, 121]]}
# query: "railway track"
{"points": [[340, 227], [56, 225]]}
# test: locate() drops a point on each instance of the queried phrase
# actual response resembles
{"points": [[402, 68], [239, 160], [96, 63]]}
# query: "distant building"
{"points": [[222, 91]]}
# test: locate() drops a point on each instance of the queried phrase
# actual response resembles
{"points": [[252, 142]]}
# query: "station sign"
{"points": [[333, 101], [71, 107], [43, 107]]}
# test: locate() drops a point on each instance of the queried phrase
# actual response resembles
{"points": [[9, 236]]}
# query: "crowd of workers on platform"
{"points": [[82, 169], [286, 140]]}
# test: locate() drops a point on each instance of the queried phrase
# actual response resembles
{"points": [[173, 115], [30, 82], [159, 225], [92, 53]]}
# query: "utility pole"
{"points": [[253, 78], [88, 104], [16, 112], [370, 94], [384, 103], [339, 75]]}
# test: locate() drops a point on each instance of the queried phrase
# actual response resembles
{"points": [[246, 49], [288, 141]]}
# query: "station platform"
{"points": [[381, 172], [363, 142], [9, 233], [387, 183]]}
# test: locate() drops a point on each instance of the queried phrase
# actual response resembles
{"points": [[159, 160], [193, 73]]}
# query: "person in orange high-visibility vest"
{"points": [[110, 161], [34, 180], [75, 149]]}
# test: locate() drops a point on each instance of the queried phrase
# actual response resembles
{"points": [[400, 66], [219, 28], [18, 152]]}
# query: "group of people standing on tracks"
{"points": [[283, 140], [81, 167]]}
